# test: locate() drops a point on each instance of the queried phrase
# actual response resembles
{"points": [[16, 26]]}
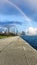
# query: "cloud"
{"points": [[31, 3], [9, 7], [31, 31], [2, 2], [16, 7], [4, 18]]}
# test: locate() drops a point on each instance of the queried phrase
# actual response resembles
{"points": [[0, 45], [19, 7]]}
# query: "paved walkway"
{"points": [[16, 51]]}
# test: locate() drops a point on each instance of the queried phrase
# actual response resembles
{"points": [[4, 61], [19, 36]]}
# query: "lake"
{"points": [[32, 40]]}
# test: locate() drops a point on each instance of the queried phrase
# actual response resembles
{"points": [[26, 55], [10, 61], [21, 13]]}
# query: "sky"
{"points": [[24, 11]]}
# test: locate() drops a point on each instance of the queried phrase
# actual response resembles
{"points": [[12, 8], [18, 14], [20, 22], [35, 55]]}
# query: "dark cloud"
{"points": [[10, 23]]}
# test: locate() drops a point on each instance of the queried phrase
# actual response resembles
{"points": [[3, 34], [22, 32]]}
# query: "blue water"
{"points": [[32, 40]]}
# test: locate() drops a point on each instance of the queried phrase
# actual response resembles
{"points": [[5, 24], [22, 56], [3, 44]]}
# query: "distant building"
{"points": [[23, 33]]}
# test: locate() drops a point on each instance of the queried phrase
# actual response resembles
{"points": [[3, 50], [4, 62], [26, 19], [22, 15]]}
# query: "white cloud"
{"points": [[31, 31]]}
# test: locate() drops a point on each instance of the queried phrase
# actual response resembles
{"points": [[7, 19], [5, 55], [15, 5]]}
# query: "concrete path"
{"points": [[16, 51]]}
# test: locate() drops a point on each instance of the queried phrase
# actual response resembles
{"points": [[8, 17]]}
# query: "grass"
{"points": [[3, 36], [7, 35]]}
